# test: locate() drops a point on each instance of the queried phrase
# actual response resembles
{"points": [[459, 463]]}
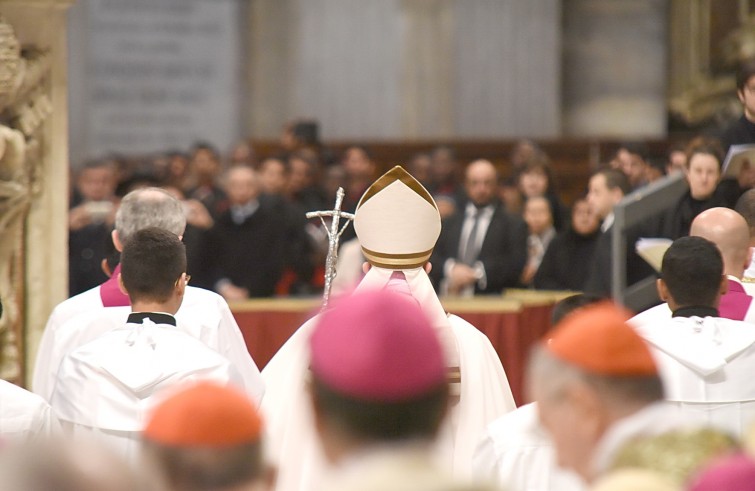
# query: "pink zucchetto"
{"points": [[736, 472], [377, 346]]}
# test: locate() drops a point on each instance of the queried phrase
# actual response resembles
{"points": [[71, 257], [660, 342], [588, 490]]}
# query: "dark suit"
{"points": [[250, 254], [599, 278], [503, 252]]}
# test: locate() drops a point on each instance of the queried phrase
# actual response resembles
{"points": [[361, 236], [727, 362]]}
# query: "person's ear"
{"points": [[106, 268], [366, 267], [121, 286], [181, 283], [428, 267], [663, 294], [116, 241], [741, 96]]}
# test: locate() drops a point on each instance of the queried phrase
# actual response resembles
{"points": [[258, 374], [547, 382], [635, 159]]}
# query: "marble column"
{"points": [[40, 277], [427, 68], [615, 68]]}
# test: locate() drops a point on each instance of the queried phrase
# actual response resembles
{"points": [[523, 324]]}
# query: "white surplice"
{"points": [[517, 453], [707, 366], [484, 391], [107, 387], [24, 415], [205, 315], [403, 467]]}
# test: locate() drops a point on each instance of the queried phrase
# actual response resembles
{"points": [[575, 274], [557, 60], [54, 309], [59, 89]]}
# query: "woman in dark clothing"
{"points": [[703, 174], [535, 180], [568, 257]]}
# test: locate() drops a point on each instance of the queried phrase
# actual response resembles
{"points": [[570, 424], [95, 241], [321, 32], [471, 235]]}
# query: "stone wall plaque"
{"points": [[151, 75]]}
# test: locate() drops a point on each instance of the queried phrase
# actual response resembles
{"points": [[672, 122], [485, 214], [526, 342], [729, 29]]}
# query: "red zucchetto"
{"points": [[205, 415], [598, 340]]}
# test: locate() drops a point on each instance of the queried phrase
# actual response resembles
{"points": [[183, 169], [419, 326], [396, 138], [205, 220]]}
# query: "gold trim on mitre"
{"points": [[397, 261], [397, 174]]}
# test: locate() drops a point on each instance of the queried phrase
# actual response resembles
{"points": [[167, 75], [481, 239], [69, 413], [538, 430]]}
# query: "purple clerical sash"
{"points": [[111, 294], [735, 304]]}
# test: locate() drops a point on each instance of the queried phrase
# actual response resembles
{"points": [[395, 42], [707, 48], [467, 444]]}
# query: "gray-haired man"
{"points": [[203, 314]]}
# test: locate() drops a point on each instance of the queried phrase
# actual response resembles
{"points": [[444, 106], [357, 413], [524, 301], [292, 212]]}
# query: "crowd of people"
{"points": [[504, 226], [247, 235], [144, 381], [385, 389]]}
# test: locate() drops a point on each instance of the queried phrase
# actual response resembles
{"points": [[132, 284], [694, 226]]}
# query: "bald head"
{"points": [[481, 182], [729, 231]]}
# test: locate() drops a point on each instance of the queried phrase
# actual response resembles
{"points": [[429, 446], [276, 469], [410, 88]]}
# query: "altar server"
{"points": [[706, 361], [106, 387], [203, 314]]}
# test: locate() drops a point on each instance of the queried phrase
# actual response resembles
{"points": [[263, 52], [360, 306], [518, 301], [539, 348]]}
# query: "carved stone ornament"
{"points": [[10, 62], [25, 105]]}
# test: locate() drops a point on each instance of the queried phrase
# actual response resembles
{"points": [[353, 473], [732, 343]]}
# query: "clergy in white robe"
{"points": [[729, 231], [24, 415], [517, 453], [706, 362], [107, 386], [397, 224], [206, 437], [379, 394], [203, 314], [597, 387]]}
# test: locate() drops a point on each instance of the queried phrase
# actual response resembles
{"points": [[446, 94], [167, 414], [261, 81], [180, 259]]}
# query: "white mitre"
{"points": [[397, 224]]}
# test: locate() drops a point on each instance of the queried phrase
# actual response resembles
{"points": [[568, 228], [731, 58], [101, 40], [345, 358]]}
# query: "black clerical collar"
{"points": [[156, 317], [695, 312]]}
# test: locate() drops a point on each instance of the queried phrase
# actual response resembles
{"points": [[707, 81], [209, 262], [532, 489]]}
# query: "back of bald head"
{"points": [[729, 231]]}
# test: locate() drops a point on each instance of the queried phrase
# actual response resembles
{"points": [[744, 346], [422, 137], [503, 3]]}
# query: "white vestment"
{"points": [[484, 392], [404, 467], [107, 387], [653, 420], [707, 365], [748, 278], [518, 454], [349, 267], [24, 415], [204, 315], [653, 315], [749, 273]]}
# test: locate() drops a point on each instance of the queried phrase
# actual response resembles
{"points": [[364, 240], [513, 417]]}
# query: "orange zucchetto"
{"points": [[598, 340], [205, 415]]}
